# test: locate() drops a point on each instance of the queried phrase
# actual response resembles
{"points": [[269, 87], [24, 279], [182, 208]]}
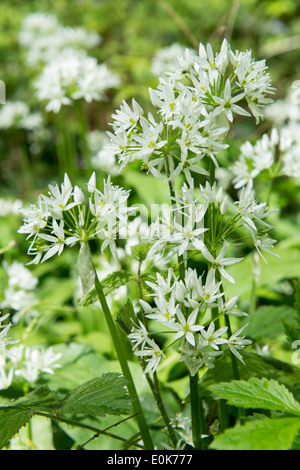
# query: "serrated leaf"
{"points": [[126, 317], [258, 393], [41, 399], [140, 251], [262, 434], [98, 397], [256, 366], [109, 284], [16, 413], [11, 420]]}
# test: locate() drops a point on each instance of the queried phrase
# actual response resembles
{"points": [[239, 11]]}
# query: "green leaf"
{"points": [[41, 399], [109, 284], [16, 413], [126, 317], [140, 251], [262, 434], [11, 420], [98, 397], [256, 366], [267, 321], [285, 267], [258, 393]]}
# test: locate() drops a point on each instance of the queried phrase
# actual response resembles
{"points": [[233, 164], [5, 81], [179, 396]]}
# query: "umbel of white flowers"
{"points": [[65, 217], [195, 104]]}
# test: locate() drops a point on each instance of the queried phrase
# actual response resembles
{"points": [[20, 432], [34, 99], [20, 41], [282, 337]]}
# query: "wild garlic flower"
{"points": [[195, 104], [73, 76], [179, 306], [275, 154], [43, 38], [17, 115], [66, 216], [4, 340]]}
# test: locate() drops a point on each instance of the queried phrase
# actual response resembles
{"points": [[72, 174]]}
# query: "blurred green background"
{"points": [[132, 32]]}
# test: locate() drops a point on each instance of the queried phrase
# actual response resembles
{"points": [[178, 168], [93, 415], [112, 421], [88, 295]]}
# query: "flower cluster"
{"points": [[275, 153], [27, 363], [67, 72], [181, 227], [65, 217], [73, 76], [44, 38], [17, 115], [19, 294], [195, 104], [180, 306]]}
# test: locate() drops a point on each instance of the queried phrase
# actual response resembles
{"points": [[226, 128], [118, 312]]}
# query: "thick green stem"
{"points": [[198, 423], [118, 344]]}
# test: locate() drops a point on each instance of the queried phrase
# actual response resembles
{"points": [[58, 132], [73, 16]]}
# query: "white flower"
{"points": [[219, 262], [235, 342], [212, 337], [229, 307], [4, 341], [19, 277], [155, 354], [125, 118], [37, 361], [227, 103], [57, 240], [6, 378], [139, 336], [185, 327]]}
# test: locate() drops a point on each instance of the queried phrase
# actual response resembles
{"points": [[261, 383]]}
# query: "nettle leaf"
{"points": [[98, 397], [140, 251], [16, 413], [109, 284], [127, 317], [262, 434], [11, 420], [258, 393]]}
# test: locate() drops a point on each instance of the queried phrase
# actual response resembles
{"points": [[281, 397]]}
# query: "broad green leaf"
{"points": [[140, 251], [41, 399], [267, 321], [99, 396], [11, 420], [16, 413], [256, 366], [258, 393], [262, 434]]}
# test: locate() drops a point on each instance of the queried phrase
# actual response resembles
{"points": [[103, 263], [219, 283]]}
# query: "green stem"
{"points": [[71, 422], [198, 423], [118, 344]]}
